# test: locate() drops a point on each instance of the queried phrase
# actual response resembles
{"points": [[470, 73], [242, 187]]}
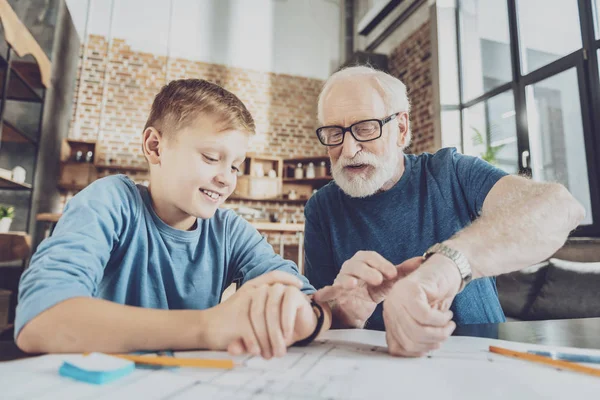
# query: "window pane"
{"points": [[556, 135], [547, 36], [484, 46], [447, 53], [596, 6], [490, 132], [451, 129]]}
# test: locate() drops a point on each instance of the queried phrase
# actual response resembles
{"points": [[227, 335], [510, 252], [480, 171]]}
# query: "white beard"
{"points": [[367, 183]]}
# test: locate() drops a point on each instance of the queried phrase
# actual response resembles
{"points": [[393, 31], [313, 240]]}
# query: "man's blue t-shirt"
{"points": [[110, 244], [437, 196]]}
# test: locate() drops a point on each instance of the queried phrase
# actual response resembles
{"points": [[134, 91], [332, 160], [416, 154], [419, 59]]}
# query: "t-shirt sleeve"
{"points": [[319, 265], [252, 256], [476, 178], [71, 262]]}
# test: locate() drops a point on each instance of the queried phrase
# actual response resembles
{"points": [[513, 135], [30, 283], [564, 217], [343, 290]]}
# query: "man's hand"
{"points": [[417, 310], [363, 282], [264, 317]]}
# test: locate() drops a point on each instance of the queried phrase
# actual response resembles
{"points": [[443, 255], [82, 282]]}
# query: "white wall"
{"points": [[296, 37]]}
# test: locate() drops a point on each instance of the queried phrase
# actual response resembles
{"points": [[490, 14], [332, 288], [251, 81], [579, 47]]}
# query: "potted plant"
{"points": [[7, 214], [490, 151]]}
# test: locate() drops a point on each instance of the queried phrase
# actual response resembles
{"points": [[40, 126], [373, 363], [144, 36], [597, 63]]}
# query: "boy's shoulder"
{"points": [[116, 191]]}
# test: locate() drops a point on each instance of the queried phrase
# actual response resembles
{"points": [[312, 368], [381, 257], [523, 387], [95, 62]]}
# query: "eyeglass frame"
{"points": [[381, 122]]}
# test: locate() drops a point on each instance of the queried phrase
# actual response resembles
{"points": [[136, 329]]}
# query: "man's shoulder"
{"points": [[440, 164], [325, 195], [441, 158]]}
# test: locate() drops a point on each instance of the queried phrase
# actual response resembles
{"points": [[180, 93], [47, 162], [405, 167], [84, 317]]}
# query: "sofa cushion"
{"points": [[518, 290], [571, 290]]}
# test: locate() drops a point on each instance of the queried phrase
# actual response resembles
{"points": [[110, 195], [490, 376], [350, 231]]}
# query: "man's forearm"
{"points": [[89, 324], [522, 224]]}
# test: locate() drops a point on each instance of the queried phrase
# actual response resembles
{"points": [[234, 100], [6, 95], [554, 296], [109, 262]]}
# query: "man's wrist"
{"points": [[446, 267]]}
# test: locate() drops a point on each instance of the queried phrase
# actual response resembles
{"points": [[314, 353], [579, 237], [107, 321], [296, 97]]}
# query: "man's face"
{"points": [[361, 168], [198, 167]]}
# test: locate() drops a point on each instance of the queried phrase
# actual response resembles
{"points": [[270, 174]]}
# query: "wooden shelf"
{"points": [[319, 180], [48, 217], [277, 227], [13, 135], [122, 167], [12, 185], [14, 246], [306, 159], [71, 186], [80, 141], [19, 89], [271, 200]]}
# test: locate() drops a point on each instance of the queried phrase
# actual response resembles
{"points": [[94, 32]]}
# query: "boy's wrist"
{"points": [[319, 316], [192, 327]]}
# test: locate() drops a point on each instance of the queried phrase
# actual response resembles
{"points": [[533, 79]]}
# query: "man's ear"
{"points": [[403, 126], [151, 143]]}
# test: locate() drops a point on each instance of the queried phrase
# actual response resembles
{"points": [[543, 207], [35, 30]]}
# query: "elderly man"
{"points": [[363, 232]]}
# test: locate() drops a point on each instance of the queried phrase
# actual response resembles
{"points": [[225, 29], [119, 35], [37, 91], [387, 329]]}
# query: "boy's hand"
{"points": [[265, 316], [280, 315]]}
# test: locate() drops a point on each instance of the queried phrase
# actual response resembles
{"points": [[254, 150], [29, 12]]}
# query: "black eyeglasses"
{"points": [[361, 131]]}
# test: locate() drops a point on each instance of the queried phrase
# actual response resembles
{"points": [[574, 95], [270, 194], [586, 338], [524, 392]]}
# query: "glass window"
{"points": [[596, 7], [447, 53], [546, 33], [451, 129], [490, 132], [556, 135], [149, 36], [78, 10], [100, 14], [484, 46]]}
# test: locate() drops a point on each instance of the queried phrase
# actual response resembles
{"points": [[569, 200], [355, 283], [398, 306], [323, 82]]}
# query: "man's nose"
{"points": [[350, 146]]}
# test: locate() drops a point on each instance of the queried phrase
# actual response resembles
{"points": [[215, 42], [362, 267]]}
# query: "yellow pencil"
{"points": [[566, 365], [178, 362]]}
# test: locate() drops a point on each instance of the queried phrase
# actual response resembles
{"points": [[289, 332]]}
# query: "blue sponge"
{"points": [[96, 368]]}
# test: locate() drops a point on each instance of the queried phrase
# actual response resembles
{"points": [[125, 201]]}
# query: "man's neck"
{"points": [[396, 177]]}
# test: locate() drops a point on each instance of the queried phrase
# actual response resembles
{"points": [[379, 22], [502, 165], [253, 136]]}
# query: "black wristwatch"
{"points": [[320, 319]]}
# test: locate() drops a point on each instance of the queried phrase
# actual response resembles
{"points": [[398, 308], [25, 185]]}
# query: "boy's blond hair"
{"points": [[182, 101]]}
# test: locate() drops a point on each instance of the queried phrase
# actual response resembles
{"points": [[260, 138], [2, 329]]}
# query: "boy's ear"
{"points": [[151, 145]]}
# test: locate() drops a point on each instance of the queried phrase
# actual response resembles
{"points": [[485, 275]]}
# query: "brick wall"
{"points": [[118, 87], [411, 63]]}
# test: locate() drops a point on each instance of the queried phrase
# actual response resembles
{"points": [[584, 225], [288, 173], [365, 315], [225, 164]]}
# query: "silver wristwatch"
{"points": [[457, 257]]}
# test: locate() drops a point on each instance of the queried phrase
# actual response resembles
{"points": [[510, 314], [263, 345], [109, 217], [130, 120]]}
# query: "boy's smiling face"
{"points": [[193, 170]]}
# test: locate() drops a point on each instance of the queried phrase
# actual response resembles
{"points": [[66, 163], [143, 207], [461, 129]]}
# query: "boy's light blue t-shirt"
{"points": [[438, 195], [110, 244]]}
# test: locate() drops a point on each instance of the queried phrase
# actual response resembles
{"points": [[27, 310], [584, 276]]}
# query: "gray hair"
{"points": [[392, 90]]}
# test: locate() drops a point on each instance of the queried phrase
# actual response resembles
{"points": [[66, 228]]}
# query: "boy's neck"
{"points": [[169, 214]]}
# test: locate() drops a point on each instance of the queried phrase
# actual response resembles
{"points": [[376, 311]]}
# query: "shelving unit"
{"points": [[23, 83], [25, 73], [9, 184], [304, 187], [76, 174], [255, 184]]}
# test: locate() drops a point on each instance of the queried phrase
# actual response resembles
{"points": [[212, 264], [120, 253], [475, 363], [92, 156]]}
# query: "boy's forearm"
{"points": [[89, 324]]}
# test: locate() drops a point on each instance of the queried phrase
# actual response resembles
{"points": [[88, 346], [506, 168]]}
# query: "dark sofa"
{"points": [[567, 285]]}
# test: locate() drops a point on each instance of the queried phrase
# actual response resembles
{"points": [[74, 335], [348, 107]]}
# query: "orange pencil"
{"points": [[178, 362], [560, 364]]}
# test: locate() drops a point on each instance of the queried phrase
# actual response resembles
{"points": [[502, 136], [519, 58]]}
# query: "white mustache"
{"points": [[359, 159]]}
